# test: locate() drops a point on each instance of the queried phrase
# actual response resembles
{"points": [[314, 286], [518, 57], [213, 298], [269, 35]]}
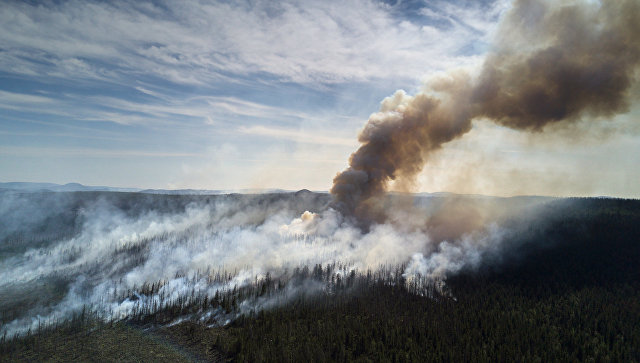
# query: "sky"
{"points": [[263, 94]]}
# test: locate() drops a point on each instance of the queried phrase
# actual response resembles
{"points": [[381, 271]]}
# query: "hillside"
{"points": [[564, 287]]}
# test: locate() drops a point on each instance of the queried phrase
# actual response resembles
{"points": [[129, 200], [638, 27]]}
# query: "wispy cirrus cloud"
{"points": [[199, 42], [162, 110], [160, 79], [13, 100]]}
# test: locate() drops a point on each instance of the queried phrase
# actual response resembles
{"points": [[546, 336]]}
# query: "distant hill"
{"points": [[69, 187], [77, 187]]}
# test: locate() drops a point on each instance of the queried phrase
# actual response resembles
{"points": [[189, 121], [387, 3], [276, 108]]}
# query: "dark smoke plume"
{"points": [[552, 62]]}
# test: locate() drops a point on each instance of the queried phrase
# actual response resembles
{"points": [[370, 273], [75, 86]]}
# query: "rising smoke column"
{"points": [[560, 63], [552, 62]]}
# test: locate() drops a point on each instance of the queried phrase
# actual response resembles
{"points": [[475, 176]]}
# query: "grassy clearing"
{"points": [[91, 341]]}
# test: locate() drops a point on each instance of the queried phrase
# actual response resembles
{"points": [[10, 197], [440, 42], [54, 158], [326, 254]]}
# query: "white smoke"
{"points": [[467, 252], [115, 253]]}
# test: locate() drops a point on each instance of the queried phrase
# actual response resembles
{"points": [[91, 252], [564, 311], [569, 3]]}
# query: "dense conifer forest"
{"points": [[566, 288]]}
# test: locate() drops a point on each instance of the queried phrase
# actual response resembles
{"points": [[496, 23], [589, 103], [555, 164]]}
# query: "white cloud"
{"points": [[14, 100], [165, 110], [201, 42]]}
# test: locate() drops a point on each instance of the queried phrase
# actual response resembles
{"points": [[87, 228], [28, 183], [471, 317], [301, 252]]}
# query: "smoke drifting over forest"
{"points": [[65, 252], [552, 63]]}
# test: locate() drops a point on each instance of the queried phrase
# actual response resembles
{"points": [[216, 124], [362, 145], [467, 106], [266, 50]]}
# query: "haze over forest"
{"points": [[320, 181]]}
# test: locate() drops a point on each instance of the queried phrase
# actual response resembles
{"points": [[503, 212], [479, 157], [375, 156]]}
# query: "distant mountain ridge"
{"points": [[77, 187], [69, 187]]}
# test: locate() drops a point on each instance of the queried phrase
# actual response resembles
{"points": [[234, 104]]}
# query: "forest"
{"points": [[564, 287]]}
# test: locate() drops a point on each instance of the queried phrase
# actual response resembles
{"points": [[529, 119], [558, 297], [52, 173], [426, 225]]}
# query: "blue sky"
{"points": [[257, 94]]}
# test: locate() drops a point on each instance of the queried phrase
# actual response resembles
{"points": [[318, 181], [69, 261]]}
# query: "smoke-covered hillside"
{"points": [[216, 275], [528, 96], [120, 253]]}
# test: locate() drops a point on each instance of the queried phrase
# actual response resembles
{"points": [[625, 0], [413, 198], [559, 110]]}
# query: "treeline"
{"points": [[157, 306], [565, 288], [569, 290], [493, 324]]}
